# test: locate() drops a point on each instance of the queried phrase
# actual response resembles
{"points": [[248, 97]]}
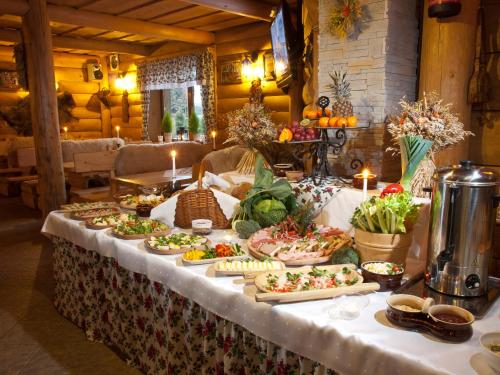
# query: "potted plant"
{"points": [[167, 126], [193, 126], [383, 225]]}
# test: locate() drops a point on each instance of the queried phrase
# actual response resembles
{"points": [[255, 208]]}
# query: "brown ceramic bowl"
{"points": [[280, 169], [387, 282], [406, 310], [419, 314], [143, 210], [451, 323], [294, 176]]}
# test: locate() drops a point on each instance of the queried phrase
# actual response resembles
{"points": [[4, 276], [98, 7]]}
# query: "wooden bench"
{"points": [[88, 163], [10, 182]]}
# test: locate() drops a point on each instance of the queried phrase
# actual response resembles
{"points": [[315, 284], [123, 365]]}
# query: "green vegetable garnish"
{"points": [[386, 215]]}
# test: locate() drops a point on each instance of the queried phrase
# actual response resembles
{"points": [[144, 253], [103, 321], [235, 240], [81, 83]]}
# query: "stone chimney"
{"points": [[381, 65]]}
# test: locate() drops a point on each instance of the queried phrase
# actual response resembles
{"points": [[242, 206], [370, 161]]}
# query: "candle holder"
{"points": [[357, 181]]}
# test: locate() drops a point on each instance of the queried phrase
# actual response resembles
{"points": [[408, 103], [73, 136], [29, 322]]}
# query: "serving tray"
{"points": [[73, 207], [89, 225], [212, 260], [168, 252], [139, 236], [75, 215], [310, 295]]}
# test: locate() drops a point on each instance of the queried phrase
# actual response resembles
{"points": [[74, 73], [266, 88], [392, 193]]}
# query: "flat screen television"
{"points": [[282, 41]]}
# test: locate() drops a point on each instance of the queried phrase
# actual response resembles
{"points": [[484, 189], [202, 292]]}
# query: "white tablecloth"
{"points": [[366, 345], [337, 212]]}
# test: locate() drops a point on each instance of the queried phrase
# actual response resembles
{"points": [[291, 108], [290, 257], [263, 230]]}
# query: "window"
{"points": [[181, 102]]}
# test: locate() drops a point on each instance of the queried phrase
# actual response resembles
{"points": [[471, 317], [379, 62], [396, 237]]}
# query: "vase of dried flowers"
{"points": [[251, 127], [422, 129]]}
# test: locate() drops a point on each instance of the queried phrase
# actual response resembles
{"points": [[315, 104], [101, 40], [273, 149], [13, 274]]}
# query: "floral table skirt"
{"points": [[157, 330]]}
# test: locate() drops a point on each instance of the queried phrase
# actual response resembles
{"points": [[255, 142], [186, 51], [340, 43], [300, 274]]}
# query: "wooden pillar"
{"points": [[446, 63], [41, 81]]}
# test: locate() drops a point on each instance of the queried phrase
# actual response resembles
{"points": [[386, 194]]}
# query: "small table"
{"points": [[150, 179]]}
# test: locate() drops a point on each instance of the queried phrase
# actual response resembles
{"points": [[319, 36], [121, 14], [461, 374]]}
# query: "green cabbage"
{"points": [[269, 212]]}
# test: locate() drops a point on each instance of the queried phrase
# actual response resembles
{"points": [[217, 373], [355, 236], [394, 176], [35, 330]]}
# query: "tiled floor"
{"points": [[34, 339]]}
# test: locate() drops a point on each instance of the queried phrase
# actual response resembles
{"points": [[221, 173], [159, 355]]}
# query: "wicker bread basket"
{"points": [[199, 204]]}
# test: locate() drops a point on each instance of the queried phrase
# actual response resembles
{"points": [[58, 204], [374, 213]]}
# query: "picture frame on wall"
{"points": [[230, 72], [269, 74], [9, 80]]}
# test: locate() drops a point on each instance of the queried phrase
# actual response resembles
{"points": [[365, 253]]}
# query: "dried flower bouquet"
{"points": [[251, 127], [421, 122]]}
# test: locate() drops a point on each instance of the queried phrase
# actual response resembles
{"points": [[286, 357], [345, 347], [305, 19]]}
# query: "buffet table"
{"points": [[168, 318]]}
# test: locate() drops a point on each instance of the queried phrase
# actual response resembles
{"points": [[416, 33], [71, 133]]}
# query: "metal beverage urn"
{"points": [[463, 210]]}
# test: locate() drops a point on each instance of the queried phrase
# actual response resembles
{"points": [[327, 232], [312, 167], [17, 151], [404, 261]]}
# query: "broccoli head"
{"points": [[245, 228], [345, 255]]}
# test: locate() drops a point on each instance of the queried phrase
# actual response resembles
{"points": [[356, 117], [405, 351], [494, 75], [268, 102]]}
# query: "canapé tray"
{"points": [[84, 215], [357, 286]]}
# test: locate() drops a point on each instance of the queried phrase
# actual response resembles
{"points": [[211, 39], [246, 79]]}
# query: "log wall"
{"points": [[70, 75]]}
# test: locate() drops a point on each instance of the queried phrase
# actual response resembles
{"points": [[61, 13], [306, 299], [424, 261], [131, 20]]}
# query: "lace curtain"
{"points": [[197, 68]]}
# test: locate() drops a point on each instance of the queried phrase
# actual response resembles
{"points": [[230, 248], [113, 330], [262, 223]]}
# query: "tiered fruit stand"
{"points": [[330, 138]]}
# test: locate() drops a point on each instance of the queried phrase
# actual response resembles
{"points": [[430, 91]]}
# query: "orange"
{"points": [[342, 122], [323, 122], [333, 121], [311, 114], [286, 135], [352, 121], [328, 112]]}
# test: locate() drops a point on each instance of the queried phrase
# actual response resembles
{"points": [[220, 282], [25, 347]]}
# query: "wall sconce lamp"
{"points": [[251, 67], [125, 83]]}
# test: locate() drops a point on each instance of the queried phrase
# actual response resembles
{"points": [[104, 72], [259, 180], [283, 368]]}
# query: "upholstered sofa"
{"points": [[151, 157]]}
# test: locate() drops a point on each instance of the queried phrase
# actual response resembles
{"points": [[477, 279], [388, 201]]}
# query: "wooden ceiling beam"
{"points": [[108, 22], [84, 44], [246, 8]]}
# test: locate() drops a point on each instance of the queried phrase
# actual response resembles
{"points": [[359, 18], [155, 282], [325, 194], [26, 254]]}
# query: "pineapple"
{"points": [[341, 91]]}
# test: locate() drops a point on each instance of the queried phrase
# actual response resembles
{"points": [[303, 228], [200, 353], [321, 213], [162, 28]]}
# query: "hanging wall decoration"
{"points": [[344, 16]]}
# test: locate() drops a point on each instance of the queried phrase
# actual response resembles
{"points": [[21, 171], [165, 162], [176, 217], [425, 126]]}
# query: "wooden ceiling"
{"points": [[77, 21]]}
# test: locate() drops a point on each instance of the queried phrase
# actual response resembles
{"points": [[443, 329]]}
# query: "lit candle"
{"points": [[213, 137], [365, 173], [117, 128], [173, 154], [65, 132]]}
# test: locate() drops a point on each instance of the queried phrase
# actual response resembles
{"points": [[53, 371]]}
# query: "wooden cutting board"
{"points": [[308, 295], [311, 295]]}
